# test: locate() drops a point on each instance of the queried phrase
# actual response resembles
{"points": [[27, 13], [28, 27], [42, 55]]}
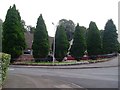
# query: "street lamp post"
{"points": [[54, 45]]}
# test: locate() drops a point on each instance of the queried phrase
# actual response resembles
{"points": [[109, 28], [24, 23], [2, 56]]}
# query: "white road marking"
{"points": [[62, 86], [11, 69]]}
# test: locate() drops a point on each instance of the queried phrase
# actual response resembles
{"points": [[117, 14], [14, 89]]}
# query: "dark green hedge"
{"points": [[4, 64]]}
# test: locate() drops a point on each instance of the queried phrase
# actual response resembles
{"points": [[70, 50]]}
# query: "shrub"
{"points": [[4, 64]]}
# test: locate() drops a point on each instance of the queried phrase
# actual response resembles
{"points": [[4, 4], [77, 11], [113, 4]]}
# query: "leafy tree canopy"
{"points": [[69, 27]]}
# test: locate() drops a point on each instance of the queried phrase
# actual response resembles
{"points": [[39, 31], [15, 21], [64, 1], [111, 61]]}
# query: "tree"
{"points": [[110, 42], [118, 47], [31, 29], [1, 22], [101, 33], [23, 25], [94, 44], [79, 45], [13, 35], [40, 43], [69, 28], [61, 43]]}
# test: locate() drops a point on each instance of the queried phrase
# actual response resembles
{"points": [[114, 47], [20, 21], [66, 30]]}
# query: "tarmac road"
{"points": [[30, 77]]}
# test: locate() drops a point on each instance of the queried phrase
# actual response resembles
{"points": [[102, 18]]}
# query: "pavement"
{"points": [[112, 62]]}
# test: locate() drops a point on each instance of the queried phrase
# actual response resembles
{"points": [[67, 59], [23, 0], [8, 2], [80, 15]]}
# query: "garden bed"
{"points": [[72, 62]]}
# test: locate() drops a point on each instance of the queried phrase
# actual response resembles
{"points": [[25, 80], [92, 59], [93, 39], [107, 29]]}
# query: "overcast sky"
{"points": [[79, 11]]}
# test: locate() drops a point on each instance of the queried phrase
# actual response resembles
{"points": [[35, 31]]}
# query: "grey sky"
{"points": [[80, 11]]}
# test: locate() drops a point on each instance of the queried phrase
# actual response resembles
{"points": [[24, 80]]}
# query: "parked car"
{"points": [[27, 52]]}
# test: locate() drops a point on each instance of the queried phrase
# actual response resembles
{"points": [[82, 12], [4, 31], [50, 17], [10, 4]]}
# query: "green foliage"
{"points": [[119, 48], [23, 25], [61, 43], [110, 42], [4, 62], [93, 40], [79, 44], [32, 29], [69, 28], [1, 35], [41, 43], [101, 33], [13, 35]]}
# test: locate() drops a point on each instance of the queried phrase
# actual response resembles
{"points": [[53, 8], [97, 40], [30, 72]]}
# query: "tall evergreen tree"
{"points": [[61, 43], [13, 35], [41, 43], [93, 40], [79, 45], [110, 42], [118, 47], [1, 22]]}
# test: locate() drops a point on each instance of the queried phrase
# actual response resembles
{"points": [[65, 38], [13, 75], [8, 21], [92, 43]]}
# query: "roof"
{"points": [[29, 39]]}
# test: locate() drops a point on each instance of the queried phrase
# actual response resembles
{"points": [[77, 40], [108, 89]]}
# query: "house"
{"points": [[27, 53], [29, 41]]}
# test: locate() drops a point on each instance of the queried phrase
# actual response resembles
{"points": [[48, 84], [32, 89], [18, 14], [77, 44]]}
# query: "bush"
{"points": [[49, 58], [93, 57], [4, 64]]}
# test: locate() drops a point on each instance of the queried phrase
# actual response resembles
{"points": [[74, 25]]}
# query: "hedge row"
{"points": [[4, 64]]}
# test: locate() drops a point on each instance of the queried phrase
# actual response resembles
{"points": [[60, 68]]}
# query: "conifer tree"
{"points": [[1, 22], [94, 44], [61, 43], [110, 42], [79, 45], [41, 42], [13, 36]]}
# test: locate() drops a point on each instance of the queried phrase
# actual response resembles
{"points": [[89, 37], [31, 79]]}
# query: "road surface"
{"points": [[106, 77]]}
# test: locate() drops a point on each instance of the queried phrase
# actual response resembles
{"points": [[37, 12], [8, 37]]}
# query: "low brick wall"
{"points": [[25, 58]]}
